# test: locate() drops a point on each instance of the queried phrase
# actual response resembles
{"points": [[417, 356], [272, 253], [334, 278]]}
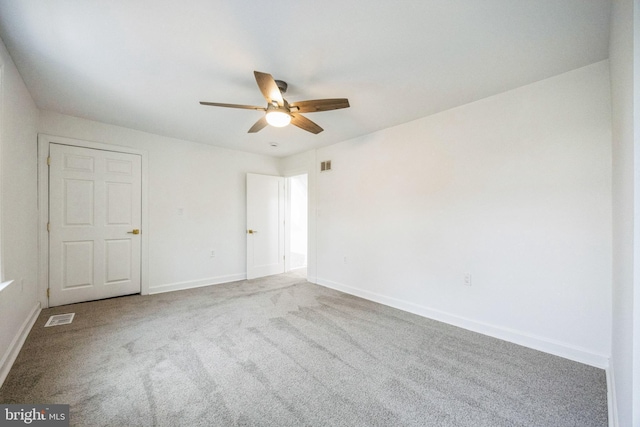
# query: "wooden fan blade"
{"points": [[259, 125], [315, 105], [303, 123], [269, 88], [246, 107]]}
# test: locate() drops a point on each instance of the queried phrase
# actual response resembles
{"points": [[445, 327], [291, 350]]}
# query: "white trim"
{"points": [[43, 207], [287, 218], [18, 341], [287, 223], [310, 170], [312, 223], [1, 158], [546, 345], [611, 397], [181, 286], [43, 218]]}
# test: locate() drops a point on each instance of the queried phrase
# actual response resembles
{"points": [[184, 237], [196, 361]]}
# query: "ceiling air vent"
{"points": [[60, 319], [325, 166]]}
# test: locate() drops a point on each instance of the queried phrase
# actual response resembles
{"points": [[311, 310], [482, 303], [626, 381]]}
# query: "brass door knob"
{"points": [[252, 231], [134, 231]]}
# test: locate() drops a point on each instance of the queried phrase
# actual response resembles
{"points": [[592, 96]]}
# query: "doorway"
{"points": [[120, 261], [297, 223]]}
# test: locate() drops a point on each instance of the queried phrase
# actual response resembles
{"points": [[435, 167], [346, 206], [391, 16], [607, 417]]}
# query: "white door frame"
{"points": [[43, 209], [310, 171], [287, 215]]}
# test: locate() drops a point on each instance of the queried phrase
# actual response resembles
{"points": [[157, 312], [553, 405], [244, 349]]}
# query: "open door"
{"points": [[265, 225]]}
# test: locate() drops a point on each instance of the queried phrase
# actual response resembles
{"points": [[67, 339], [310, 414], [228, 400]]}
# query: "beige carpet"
{"points": [[283, 352]]}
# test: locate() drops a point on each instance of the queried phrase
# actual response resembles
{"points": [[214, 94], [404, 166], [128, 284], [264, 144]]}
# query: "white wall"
{"points": [[514, 189], [206, 182], [626, 197], [18, 211]]}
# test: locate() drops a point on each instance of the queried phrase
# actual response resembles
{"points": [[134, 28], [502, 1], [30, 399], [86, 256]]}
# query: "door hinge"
{"points": [[48, 227], [48, 289], [49, 161]]}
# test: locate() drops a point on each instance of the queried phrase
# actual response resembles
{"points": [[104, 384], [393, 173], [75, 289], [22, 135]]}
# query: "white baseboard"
{"points": [[611, 397], [180, 286], [546, 345], [12, 352]]}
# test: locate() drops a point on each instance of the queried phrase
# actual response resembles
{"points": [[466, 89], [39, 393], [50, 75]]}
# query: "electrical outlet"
{"points": [[212, 254], [345, 260], [467, 279]]}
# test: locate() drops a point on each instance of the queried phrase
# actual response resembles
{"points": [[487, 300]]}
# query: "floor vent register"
{"points": [[60, 319]]}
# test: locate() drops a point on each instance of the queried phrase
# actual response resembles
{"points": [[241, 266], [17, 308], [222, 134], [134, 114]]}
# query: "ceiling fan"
{"points": [[279, 112]]}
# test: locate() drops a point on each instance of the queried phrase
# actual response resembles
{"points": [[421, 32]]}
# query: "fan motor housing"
{"points": [[282, 85]]}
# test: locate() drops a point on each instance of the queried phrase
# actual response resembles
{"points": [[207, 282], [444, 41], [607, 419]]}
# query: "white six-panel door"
{"points": [[265, 225], [94, 210]]}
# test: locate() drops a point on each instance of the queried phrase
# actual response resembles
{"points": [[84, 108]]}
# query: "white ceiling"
{"points": [[145, 64]]}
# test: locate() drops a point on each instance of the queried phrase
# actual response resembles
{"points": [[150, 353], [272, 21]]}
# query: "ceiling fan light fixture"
{"points": [[279, 112], [278, 118]]}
